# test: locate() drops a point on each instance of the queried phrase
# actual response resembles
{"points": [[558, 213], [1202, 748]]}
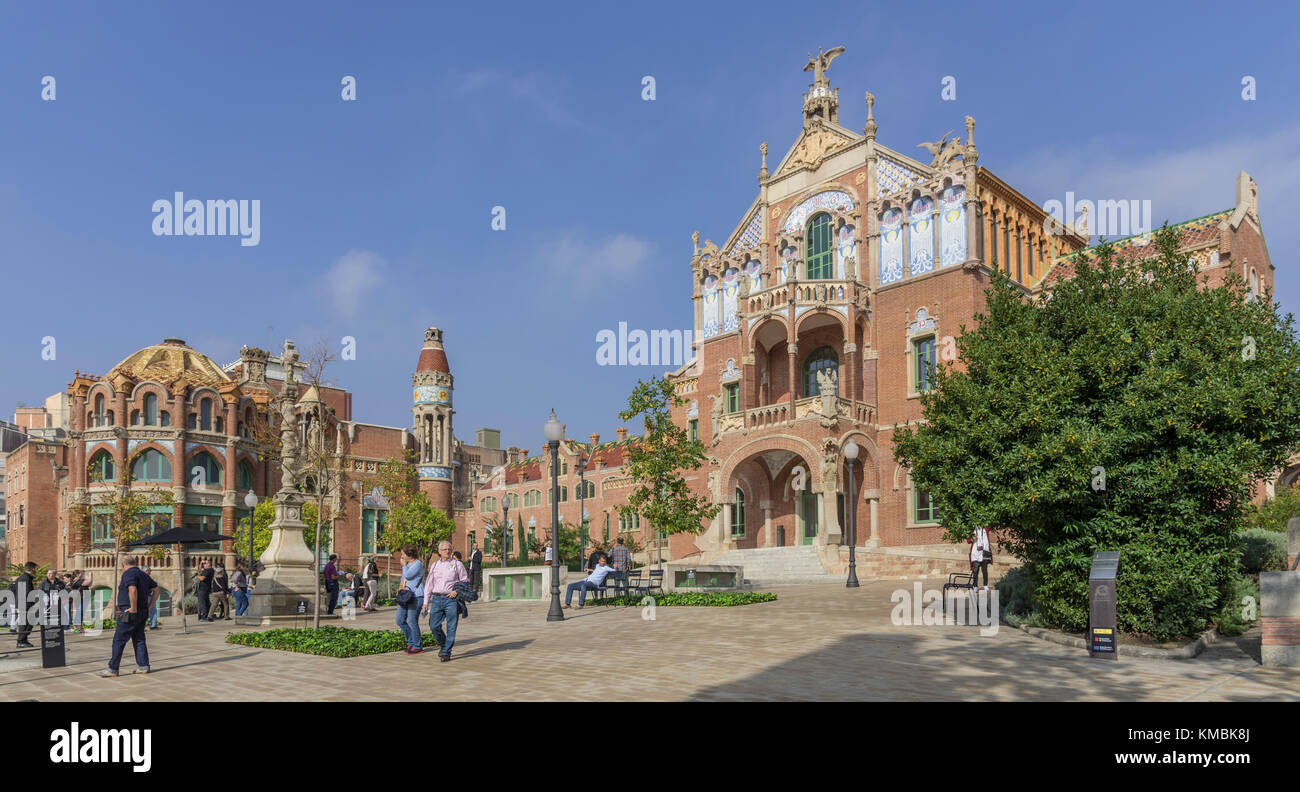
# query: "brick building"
{"points": [[820, 317]]}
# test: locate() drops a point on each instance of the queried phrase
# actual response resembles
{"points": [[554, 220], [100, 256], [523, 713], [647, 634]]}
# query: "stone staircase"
{"points": [[780, 566]]}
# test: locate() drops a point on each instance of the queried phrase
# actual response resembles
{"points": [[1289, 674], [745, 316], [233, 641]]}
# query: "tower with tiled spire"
{"points": [[431, 410]]}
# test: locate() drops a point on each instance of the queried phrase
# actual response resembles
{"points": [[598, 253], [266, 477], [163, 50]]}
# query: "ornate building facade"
{"points": [[821, 317]]}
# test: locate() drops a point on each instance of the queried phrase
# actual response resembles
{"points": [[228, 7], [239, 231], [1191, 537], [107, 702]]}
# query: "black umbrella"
{"points": [[181, 535]]}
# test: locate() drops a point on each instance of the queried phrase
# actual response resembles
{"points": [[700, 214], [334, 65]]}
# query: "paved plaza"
{"points": [[814, 643]]}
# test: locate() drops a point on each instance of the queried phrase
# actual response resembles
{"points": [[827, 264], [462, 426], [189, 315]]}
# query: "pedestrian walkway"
{"points": [[816, 642]]}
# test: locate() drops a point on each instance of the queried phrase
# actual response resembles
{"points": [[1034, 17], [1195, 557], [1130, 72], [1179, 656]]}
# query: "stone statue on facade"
{"points": [[821, 63]]}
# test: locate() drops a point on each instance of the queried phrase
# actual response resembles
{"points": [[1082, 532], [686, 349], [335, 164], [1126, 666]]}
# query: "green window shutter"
{"points": [[820, 259]]}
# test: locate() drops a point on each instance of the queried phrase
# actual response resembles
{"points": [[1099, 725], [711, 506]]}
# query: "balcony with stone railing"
{"points": [[808, 292], [826, 409]]}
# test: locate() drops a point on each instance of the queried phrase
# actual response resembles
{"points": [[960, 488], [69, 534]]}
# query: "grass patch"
{"points": [[708, 599], [327, 641]]}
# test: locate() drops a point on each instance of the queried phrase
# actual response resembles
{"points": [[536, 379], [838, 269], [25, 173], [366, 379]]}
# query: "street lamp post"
{"points": [[250, 500], [582, 509], [851, 454], [505, 529], [554, 433]]}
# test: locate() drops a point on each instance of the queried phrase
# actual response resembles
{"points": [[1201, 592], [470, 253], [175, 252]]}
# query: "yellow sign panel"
{"points": [[1100, 631]]}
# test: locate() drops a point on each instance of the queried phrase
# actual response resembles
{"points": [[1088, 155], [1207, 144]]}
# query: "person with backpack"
{"points": [[370, 576], [440, 595], [409, 598], [220, 596], [981, 553]]}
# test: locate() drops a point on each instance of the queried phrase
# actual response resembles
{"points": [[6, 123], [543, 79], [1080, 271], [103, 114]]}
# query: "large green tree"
{"points": [[412, 518], [657, 461], [1132, 409]]}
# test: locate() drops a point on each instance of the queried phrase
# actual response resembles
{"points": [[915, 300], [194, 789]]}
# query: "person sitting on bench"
{"points": [[591, 582]]}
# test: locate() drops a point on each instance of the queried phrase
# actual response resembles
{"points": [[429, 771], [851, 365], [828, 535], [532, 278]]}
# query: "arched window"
{"points": [[99, 410], [205, 415], [821, 359], [821, 252], [564, 494], [533, 498], [166, 418], [587, 489], [738, 515], [102, 467], [487, 505], [135, 417], [151, 409], [1254, 285], [244, 476], [513, 500], [210, 467], [151, 466]]}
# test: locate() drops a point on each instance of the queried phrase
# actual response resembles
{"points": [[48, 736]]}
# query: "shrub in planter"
{"points": [[1016, 593], [329, 641], [695, 598], [1231, 620]]}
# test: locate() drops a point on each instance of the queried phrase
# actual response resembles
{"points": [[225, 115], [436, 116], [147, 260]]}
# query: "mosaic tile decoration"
{"points": [[892, 177], [753, 233], [831, 199]]}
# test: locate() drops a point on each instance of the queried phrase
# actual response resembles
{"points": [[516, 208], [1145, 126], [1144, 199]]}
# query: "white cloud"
{"points": [[350, 280], [1181, 183], [534, 88], [585, 265]]}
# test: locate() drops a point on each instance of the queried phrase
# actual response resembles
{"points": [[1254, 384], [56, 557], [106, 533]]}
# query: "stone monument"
{"points": [[289, 573]]}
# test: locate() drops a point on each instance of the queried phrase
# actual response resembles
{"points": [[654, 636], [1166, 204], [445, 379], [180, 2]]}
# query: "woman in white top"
{"points": [[981, 552]]}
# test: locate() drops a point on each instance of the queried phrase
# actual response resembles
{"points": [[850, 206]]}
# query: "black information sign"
{"points": [[302, 607], [54, 654], [1101, 605]]}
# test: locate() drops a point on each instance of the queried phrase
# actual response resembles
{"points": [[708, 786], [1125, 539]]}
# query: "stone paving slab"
{"points": [[813, 643]]}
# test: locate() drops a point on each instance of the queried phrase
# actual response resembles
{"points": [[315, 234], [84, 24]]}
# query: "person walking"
{"points": [[220, 597], [981, 553], [410, 598], [476, 568], [619, 557], [22, 588], [136, 595], [371, 578], [239, 588], [440, 598], [331, 574], [203, 591]]}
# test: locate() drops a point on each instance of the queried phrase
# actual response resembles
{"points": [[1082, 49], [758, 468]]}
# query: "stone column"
{"points": [[792, 350], [1280, 608], [768, 539]]}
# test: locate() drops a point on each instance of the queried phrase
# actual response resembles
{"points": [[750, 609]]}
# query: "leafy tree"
{"points": [[131, 514], [1132, 410], [1273, 514], [657, 461], [412, 518]]}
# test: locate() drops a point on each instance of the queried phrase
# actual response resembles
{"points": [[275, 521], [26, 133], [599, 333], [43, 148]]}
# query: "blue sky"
{"points": [[376, 214]]}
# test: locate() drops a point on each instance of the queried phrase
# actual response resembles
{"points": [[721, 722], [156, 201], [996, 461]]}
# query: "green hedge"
{"points": [[1262, 550], [327, 641], [716, 599]]}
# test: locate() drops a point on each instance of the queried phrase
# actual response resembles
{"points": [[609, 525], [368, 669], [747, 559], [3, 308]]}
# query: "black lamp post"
{"points": [[250, 500], [851, 454], [554, 433], [582, 509], [505, 529]]}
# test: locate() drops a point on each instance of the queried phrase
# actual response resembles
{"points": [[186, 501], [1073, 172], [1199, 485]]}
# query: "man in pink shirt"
{"points": [[440, 598]]}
